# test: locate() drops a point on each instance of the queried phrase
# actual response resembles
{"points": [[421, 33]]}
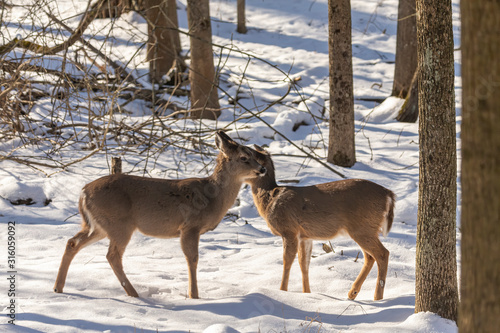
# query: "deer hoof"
{"points": [[352, 294]]}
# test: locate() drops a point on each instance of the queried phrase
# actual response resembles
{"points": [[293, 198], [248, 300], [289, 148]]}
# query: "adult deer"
{"points": [[356, 207], [115, 206]]}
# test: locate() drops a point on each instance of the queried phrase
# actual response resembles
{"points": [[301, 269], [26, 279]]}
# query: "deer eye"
{"points": [[244, 159]]}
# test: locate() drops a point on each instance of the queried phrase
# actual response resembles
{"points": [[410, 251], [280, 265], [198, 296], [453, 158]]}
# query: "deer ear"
{"points": [[261, 150], [224, 143]]}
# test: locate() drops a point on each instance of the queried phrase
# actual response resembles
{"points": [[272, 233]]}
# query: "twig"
{"points": [[116, 67], [26, 162], [88, 17]]}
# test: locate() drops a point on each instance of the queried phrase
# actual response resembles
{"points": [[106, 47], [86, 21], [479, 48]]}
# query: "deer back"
{"points": [[322, 211], [123, 201]]}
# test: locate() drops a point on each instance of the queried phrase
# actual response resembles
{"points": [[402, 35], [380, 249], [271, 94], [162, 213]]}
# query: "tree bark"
{"points": [[116, 165], [406, 49], [480, 299], [242, 27], [111, 8], [164, 44], [436, 261], [409, 110], [341, 149], [204, 94], [114, 8]]}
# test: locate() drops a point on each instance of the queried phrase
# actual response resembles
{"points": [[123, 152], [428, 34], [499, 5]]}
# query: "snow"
{"points": [[240, 264]]}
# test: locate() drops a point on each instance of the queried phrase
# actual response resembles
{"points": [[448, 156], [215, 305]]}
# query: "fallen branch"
{"points": [[26, 162]]}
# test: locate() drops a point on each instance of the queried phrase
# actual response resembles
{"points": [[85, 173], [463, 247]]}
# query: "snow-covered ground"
{"points": [[240, 261]]}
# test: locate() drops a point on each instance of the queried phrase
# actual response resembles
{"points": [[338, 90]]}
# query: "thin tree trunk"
{"points": [[480, 299], [436, 261], [164, 44], [204, 94], [341, 149], [242, 27], [406, 49]]}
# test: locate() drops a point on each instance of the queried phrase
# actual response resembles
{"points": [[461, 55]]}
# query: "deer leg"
{"points": [[114, 256], [75, 244], [289, 252], [305, 248], [367, 266], [381, 255], [189, 245]]}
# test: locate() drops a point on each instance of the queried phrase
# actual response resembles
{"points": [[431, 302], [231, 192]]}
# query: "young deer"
{"points": [[115, 206], [357, 207]]}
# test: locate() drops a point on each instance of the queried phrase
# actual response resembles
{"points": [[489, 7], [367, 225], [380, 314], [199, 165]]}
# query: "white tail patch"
{"points": [[384, 228], [87, 215]]}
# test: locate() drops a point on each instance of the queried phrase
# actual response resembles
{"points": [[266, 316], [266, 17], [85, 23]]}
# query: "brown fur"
{"points": [[115, 206], [356, 207]]}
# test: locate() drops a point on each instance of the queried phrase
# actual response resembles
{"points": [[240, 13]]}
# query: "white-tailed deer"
{"points": [[115, 206], [356, 207]]}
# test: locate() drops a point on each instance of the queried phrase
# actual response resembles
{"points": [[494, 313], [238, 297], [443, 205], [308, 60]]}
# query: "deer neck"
{"points": [[223, 178], [262, 191]]}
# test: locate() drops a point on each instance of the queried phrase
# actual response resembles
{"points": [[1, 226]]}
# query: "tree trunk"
{"points": [[242, 27], [114, 8], [406, 49], [480, 299], [405, 70], [204, 94], [164, 44], [341, 149], [111, 8], [436, 260], [409, 110]]}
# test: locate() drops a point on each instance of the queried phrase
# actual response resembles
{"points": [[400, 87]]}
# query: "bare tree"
{"points": [[204, 93], [164, 44], [480, 301], [436, 262], [341, 149]]}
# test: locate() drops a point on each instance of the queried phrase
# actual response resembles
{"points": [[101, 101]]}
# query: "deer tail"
{"points": [[389, 214], [87, 221]]}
